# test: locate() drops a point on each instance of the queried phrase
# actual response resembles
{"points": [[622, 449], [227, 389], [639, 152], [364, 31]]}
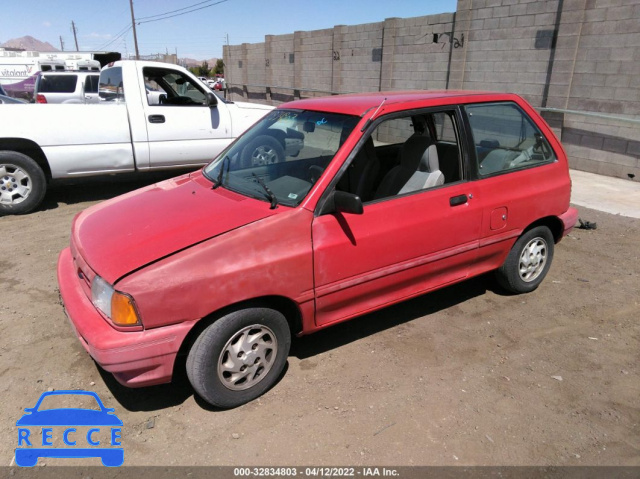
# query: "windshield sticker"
{"points": [[321, 122], [282, 115], [292, 196]]}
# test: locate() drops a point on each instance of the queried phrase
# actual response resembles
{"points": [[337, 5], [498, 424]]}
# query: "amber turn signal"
{"points": [[123, 311]]}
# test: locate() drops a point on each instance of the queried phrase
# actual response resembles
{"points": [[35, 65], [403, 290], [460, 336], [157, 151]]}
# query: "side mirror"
{"points": [[212, 100], [342, 202]]}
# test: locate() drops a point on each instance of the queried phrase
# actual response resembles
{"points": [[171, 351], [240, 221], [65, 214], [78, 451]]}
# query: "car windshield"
{"points": [[281, 157]]}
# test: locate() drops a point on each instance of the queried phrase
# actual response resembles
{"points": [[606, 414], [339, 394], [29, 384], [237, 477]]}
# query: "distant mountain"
{"points": [[29, 43]]}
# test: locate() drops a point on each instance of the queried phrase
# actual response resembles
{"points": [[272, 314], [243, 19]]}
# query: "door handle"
{"points": [[457, 200], [156, 118]]}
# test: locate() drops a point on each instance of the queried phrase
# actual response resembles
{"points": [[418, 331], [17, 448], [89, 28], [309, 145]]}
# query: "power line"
{"points": [[115, 38], [183, 13], [173, 11]]}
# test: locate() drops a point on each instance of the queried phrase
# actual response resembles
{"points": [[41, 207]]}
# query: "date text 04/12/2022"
{"points": [[315, 471]]}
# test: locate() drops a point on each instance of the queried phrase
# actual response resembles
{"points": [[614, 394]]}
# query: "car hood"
{"points": [[252, 106], [126, 233]]}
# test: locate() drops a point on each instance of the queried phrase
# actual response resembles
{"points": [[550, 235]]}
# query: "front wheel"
{"points": [[22, 183], [239, 357], [528, 261]]}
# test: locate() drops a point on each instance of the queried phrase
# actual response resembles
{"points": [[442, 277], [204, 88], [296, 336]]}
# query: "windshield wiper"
{"points": [[272, 197], [218, 181]]}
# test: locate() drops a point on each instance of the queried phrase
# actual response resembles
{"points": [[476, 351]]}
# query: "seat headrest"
{"points": [[429, 161], [412, 151]]}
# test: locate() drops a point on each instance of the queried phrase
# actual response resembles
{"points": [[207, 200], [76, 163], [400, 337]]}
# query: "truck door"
{"points": [[182, 128]]}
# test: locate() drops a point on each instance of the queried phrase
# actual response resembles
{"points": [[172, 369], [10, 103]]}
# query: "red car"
{"points": [[390, 196]]}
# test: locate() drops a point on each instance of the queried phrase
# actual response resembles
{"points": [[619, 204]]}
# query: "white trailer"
{"points": [[18, 71]]}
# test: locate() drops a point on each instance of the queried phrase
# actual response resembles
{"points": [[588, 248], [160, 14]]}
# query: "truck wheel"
{"points": [[261, 151], [528, 261], [22, 183], [239, 357]]}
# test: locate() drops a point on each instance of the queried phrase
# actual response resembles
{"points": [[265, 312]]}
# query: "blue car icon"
{"points": [[105, 417]]}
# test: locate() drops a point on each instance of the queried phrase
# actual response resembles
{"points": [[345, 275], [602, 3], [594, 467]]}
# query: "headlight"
{"points": [[118, 307]]}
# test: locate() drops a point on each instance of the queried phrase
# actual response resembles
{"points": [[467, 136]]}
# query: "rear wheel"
{"points": [[22, 183], [239, 357], [528, 261]]}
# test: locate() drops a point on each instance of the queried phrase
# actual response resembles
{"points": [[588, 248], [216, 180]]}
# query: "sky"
{"points": [[198, 28]]}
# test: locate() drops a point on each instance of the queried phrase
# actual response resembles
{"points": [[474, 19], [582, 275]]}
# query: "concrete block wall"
{"points": [[313, 59], [417, 62], [279, 69], [506, 46], [357, 57], [564, 54]]}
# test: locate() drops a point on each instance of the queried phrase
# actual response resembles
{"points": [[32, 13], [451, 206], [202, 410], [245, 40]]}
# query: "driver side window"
{"points": [[506, 139], [171, 87]]}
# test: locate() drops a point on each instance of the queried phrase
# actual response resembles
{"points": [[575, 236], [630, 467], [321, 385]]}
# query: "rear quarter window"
{"points": [[506, 139]]}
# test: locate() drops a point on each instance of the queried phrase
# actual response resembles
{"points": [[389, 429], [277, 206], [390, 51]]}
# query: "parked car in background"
{"points": [[390, 196], [67, 87], [4, 99]]}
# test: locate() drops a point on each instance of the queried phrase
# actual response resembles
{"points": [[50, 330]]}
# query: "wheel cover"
{"points": [[15, 184], [533, 259], [247, 357], [263, 155]]}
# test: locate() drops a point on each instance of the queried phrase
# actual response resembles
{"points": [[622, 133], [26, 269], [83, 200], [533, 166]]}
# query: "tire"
{"points": [[220, 357], [262, 150], [528, 261], [22, 183]]}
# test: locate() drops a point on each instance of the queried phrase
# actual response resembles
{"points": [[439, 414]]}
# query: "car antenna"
{"points": [[366, 125]]}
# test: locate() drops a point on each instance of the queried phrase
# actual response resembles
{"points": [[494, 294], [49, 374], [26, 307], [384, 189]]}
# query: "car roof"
{"points": [[360, 103]]}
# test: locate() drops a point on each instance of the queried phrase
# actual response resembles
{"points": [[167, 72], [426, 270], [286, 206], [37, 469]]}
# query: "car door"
{"points": [[182, 128], [402, 244]]}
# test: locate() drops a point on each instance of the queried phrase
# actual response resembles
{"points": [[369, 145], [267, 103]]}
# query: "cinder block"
{"points": [[570, 5], [517, 9], [536, 7], [482, 13], [620, 13], [561, 79], [608, 3], [581, 163], [500, 12], [525, 20], [545, 19], [608, 67]]}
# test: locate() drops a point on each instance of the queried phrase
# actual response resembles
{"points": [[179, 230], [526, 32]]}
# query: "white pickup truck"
{"points": [[151, 116]]}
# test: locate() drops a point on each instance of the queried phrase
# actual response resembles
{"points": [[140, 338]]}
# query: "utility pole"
{"points": [[135, 36], [61, 43], [75, 31]]}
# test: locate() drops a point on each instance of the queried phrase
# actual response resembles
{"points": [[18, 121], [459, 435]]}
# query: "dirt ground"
{"points": [[467, 375]]}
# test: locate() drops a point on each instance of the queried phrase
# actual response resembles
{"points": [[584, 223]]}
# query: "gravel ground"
{"points": [[464, 376]]}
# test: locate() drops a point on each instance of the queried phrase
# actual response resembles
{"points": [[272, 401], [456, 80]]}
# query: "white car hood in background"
{"points": [[243, 115], [252, 106]]}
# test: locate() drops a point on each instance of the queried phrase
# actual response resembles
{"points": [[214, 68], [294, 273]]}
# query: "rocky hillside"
{"points": [[29, 43]]}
